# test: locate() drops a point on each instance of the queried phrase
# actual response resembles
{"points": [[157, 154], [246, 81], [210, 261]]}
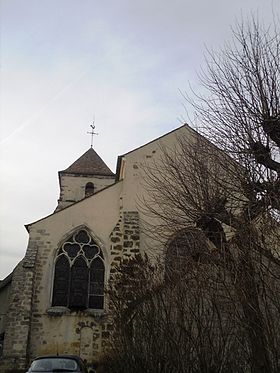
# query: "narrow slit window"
{"points": [[96, 293], [89, 189]]}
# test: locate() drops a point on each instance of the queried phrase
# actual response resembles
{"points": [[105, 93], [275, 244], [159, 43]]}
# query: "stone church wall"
{"points": [[5, 287], [85, 333], [17, 333], [125, 238], [72, 188], [33, 328]]}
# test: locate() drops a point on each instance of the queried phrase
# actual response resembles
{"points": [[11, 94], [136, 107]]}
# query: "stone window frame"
{"points": [[71, 239]]}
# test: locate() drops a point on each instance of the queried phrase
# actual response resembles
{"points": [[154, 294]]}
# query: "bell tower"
{"points": [[86, 176]]}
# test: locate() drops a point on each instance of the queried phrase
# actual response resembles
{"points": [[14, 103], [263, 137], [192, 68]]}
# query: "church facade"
{"points": [[55, 301]]}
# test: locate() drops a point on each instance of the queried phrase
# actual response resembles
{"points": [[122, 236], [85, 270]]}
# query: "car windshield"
{"points": [[54, 364]]}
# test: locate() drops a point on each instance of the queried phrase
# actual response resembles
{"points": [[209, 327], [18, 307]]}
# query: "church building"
{"points": [[55, 301]]}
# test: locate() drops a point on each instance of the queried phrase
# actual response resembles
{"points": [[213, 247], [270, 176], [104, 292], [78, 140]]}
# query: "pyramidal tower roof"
{"points": [[89, 164]]}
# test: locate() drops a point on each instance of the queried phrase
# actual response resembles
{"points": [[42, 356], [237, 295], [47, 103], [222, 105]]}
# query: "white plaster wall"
{"points": [[134, 186], [99, 213], [72, 188]]}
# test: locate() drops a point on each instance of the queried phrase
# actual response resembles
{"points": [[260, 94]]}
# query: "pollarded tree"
{"points": [[231, 191], [240, 112], [241, 115], [217, 307]]}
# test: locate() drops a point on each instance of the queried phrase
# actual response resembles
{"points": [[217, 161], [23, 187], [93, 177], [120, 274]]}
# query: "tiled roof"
{"points": [[89, 164]]}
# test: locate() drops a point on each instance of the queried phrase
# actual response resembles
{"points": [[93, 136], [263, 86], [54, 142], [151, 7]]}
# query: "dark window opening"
{"points": [[185, 249], [213, 230], [61, 281], [79, 274], [2, 335], [89, 190], [79, 284], [96, 291]]}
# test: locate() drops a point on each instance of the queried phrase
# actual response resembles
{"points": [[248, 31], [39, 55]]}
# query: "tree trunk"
{"points": [[248, 293]]}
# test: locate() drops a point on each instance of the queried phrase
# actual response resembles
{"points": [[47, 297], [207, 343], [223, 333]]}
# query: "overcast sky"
{"points": [[65, 61]]}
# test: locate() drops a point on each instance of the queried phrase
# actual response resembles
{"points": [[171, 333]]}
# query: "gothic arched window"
{"points": [[79, 273], [89, 189], [187, 247]]}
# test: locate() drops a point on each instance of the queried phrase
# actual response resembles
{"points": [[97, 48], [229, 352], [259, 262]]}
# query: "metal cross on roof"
{"points": [[92, 133]]}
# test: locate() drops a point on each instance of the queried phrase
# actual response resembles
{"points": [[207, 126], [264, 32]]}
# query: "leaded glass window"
{"points": [[96, 290], [61, 281], [79, 273]]}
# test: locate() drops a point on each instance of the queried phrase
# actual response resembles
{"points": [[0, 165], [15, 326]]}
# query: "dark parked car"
{"points": [[59, 363]]}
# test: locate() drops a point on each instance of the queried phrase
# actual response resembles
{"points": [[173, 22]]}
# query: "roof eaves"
{"points": [[6, 280], [156, 139], [120, 157], [77, 173]]}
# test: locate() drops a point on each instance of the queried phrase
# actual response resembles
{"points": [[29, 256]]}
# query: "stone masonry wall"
{"points": [[28, 329], [125, 243], [19, 314], [125, 239], [62, 331]]}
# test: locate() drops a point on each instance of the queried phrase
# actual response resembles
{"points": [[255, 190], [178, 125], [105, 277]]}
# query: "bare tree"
{"points": [[241, 115], [189, 321], [240, 112], [216, 309], [196, 185]]}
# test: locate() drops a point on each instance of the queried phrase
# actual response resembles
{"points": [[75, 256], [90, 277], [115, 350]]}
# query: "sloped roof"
{"points": [[120, 157], [89, 164]]}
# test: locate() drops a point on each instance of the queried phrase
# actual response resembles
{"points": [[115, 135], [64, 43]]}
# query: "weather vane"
{"points": [[92, 132]]}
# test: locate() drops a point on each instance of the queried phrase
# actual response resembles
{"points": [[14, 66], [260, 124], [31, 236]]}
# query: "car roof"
{"points": [[76, 357]]}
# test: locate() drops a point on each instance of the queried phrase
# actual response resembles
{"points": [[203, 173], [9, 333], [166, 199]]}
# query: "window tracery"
{"points": [[79, 273]]}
